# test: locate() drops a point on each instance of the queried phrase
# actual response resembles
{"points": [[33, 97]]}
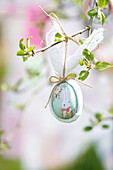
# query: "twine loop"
{"points": [[58, 80], [55, 79]]}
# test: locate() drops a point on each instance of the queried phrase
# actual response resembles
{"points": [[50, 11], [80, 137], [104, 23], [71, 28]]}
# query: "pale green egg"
{"points": [[67, 101]]}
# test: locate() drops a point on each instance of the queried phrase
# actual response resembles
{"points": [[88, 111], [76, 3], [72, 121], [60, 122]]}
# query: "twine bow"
{"points": [[58, 80]]}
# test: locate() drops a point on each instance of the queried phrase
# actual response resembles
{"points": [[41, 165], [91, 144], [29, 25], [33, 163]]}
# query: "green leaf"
{"points": [[88, 55], [14, 88], [28, 42], [30, 49], [32, 73], [81, 62], [92, 121], [81, 42], [83, 75], [25, 59], [21, 45], [4, 87], [88, 128], [58, 35], [58, 40], [4, 147], [102, 17], [105, 126], [102, 66], [20, 53], [15, 106], [72, 75], [111, 111], [103, 3], [86, 64], [21, 107], [92, 13], [99, 117]]}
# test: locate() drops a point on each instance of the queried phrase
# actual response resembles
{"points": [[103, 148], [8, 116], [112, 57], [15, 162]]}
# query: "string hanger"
{"points": [[55, 79]]}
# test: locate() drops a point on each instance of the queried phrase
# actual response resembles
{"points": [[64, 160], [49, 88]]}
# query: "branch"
{"points": [[77, 33], [81, 31], [54, 17], [46, 48]]}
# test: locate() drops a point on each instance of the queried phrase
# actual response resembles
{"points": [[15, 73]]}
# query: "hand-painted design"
{"points": [[64, 101], [65, 111], [66, 107], [57, 92]]}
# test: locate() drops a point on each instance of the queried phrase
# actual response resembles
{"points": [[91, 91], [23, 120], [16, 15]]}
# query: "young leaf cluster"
{"points": [[14, 88], [16, 106], [90, 63], [102, 65], [58, 37], [25, 50], [97, 11], [98, 119], [32, 73], [87, 62]]}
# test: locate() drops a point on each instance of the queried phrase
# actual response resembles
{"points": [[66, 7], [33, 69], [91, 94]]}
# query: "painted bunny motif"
{"points": [[66, 107]]}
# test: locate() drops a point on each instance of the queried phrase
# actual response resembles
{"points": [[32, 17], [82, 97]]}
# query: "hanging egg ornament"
{"points": [[66, 102]]}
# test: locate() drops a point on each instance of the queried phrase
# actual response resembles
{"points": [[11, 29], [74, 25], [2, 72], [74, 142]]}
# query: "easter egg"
{"points": [[66, 102]]}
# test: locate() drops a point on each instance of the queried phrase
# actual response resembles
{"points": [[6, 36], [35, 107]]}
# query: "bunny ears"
{"points": [[56, 53], [67, 94]]}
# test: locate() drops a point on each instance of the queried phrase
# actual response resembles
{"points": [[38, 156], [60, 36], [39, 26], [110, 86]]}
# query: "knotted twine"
{"points": [[55, 79]]}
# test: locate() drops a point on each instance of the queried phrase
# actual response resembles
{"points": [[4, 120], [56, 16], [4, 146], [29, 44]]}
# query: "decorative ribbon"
{"points": [[67, 110], [58, 80]]}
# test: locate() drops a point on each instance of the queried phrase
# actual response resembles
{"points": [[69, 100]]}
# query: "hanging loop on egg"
{"points": [[58, 80]]}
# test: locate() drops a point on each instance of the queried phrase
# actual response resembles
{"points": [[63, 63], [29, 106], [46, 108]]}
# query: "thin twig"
{"points": [[54, 17], [46, 48], [81, 31], [77, 33], [82, 83]]}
